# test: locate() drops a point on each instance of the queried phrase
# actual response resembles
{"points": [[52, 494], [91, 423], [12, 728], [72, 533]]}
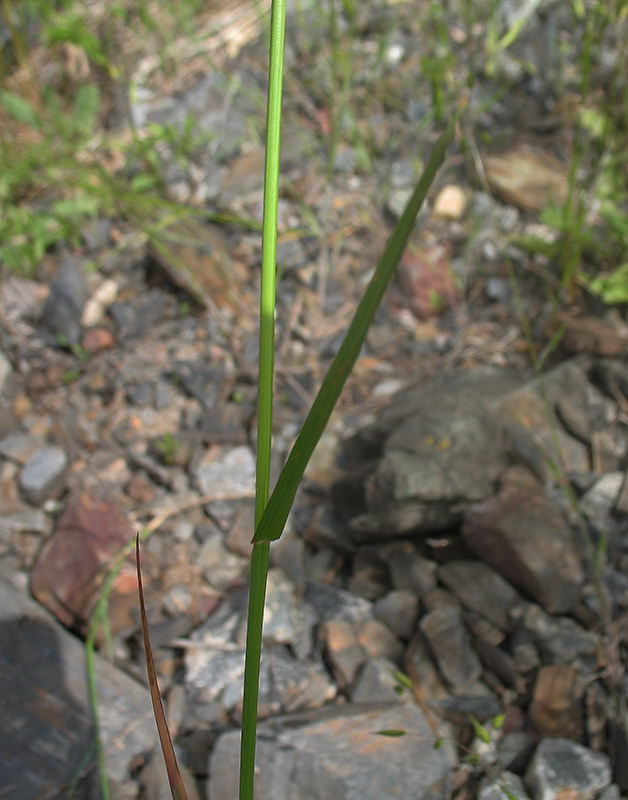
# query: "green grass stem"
{"points": [[260, 554], [276, 513]]}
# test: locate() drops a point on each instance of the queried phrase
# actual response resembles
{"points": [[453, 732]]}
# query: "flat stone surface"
{"points": [[526, 177], [526, 539], [46, 726], [65, 578], [342, 757], [194, 256]]}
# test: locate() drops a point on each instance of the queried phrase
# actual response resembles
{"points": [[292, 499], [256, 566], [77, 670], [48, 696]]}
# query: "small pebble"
{"points": [[43, 475], [450, 203]]}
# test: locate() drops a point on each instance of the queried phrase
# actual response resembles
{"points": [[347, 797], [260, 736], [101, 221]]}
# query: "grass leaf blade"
{"points": [[172, 768], [276, 513]]}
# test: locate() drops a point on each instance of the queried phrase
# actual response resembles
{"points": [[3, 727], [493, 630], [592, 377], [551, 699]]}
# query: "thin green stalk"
{"points": [[260, 554], [93, 695], [100, 619], [276, 513]]}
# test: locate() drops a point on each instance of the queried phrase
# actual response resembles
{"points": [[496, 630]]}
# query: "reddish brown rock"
{"points": [[72, 563], [556, 708], [195, 258], [591, 335], [95, 340], [426, 274], [525, 538]]}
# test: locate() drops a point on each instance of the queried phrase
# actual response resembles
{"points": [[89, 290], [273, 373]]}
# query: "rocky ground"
{"points": [[455, 569]]}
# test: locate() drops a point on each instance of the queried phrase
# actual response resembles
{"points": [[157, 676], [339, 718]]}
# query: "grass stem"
{"points": [[260, 554]]}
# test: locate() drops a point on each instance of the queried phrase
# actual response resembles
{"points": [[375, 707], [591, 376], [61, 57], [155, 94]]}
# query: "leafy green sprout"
{"points": [[167, 446]]}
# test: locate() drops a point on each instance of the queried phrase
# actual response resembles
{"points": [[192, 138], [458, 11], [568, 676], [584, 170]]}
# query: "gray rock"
{"points": [[397, 200], [61, 314], [333, 603], [230, 475], [482, 417], [561, 639], [526, 539], [398, 609], [19, 447], [31, 519], [612, 792], [479, 703], [95, 234], [493, 788], [154, 778], [289, 554], [561, 767], [214, 662], [432, 434], [408, 569], [369, 577], [622, 499], [515, 750], [286, 619], [376, 683], [481, 589], [450, 644], [419, 665], [598, 502], [6, 368], [210, 670], [43, 475], [222, 568], [342, 757], [47, 723], [214, 676], [378, 640], [533, 435], [288, 685]]}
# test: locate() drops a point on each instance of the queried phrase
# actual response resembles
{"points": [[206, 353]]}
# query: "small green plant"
{"points": [[591, 250], [167, 446]]}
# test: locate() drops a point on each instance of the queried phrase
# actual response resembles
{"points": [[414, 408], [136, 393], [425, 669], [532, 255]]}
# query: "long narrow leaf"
{"points": [[276, 513], [172, 768]]}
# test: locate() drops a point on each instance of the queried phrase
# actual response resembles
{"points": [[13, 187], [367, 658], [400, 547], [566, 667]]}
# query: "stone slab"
{"points": [[339, 755], [46, 726]]}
